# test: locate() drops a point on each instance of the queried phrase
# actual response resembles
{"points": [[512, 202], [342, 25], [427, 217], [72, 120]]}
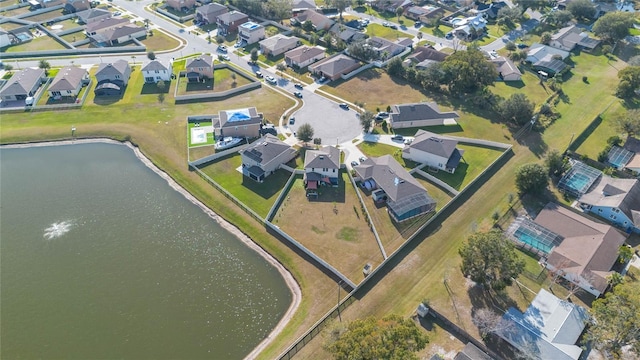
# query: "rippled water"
{"points": [[101, 259]]}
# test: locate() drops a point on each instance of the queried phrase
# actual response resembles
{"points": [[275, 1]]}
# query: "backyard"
{"points": [[474, 160], [384, 32], [341, 235], [375, 149], [40, 43]]}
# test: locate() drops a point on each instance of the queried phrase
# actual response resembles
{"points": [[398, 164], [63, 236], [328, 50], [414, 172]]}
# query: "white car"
{"points": [[117, 13], [225, 57], [222, 48], [270, 79]]}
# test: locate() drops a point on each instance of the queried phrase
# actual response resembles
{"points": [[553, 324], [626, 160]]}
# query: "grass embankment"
{"points": [[159, 131]]}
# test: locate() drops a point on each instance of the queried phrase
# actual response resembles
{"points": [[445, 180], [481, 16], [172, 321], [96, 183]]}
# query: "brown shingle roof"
{"points": [[68, 78]]}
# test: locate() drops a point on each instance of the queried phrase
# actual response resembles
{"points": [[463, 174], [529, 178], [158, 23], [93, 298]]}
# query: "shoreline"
{"points": [[292, 284]]}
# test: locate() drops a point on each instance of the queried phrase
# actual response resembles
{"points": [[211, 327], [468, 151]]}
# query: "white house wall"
{"points": [[423, 157]]}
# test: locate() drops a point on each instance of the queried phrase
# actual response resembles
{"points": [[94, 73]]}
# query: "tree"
{"points": [[161, 98], [233, 78], [366, 120], [489, 322], [146, 23], [582, 9], [391, 337], [628, 123], [361, 51], [625, 254], [151, 55], [399, 12], [467, 71], [613, 26], [8, 67], [254, 55], [305, 133], [555, 164], [634, 61], [517, 108], [629, 82], [490, 259], [510, 46], [510, 16], [545, 38], [44, 65], [340, 5], [278, 9], [161, 85], [531, 178], [307, 26], [616, 319], [557, 18], [394, 67]]}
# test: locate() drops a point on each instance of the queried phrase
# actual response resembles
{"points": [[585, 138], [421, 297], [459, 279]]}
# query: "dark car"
{"points": [[292, 120], [298, 94], [354, 163], [344, 106], [522, 46], [298, 86], [397, 138], [394, 27]]}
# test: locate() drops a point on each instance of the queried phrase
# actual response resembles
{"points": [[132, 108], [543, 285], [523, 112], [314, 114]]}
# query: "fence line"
{"points": [[217, 155], [366, 213], [438, 182], [276, 204]]}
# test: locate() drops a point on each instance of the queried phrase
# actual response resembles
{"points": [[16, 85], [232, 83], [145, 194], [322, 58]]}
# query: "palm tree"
{"points": [[44, 64]]}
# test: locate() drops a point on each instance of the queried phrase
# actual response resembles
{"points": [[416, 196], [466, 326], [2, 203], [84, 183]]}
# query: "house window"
{"points": [[616, 210], [612, 217], [157, 71], [599, 210], [117, 76], [334, 170], [325, 169]]}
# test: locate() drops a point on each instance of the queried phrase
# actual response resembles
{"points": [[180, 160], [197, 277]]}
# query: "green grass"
{"points": [[372, 149], [258, 196], [597, 140], [159, 41], [441, 31], [210, 136], [386, 16], [529, 85], [271, 60], [76, 36], [475, 160], [39, 43], [385, 32], [439, 195]]}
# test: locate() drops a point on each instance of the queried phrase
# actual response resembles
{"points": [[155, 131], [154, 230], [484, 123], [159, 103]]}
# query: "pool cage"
{"points": [[578, 179], [532, 237], [619, 157]]}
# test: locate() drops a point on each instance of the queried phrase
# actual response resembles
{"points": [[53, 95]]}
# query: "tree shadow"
{"points": [[271, 186], [533, 140], [104, 100], [515, 84], [152, 88]]}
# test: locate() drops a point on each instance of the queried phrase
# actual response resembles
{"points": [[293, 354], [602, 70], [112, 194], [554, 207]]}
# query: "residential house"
{"points": [[346, 34], [68, 82], [278, 44], [424, 56], [181, 5], [119, 34], [494, 8], [244, 123], [199, 68], [99, 26], [386, 47], [112, 78], [299, 6], [228, 22], [6, 38], [615, 200], [321, 167], [319, 21], [587, 251], [405, 197], [548, 329], [22, 84], [420, 114], [303, 56], [605, 7], [264, 156], [470, 27], [471, 352], [251, 32], [391, 5], [155, 71], [48, 3], [633, 145], [570, 37], [74, 6], [437, 151], [423, 13], [208, 14], [93, 15], [507, 70], [334, 67], [546, 58]]}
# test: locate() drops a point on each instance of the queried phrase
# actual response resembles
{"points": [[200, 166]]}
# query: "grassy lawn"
{"points": [[159, 41], [76, 36], [8, 26], [385, 32], [258, 196], [223, 80], [337, 231], [46, 100], [271, 30], [441, 31], [372, 149], [440, 196], [186, 87], [45, 16], [475, 159], [529, 85], [39, 43], [386, 16], [210, 136], [66, 24], [271, 60], [597, 139], [14, 12], [302, 77]]}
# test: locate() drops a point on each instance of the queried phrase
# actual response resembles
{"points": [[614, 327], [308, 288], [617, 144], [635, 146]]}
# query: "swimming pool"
{"points": [[532, 240]]}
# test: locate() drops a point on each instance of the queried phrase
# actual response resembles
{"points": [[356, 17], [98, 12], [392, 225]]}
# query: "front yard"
{"points": [[331, 226], [385, 32], [374, 149]]}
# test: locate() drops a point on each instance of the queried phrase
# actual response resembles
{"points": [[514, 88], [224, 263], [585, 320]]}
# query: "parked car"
{"points": [[344, 106], [417, 24], [385, 24], [270, 80], [392, 26], [238, 44], [408, 141], [522, 46], [354, 163], [259, 74], [449, 35], [222, 48], [292, 120], [397, 138], [298, 94], [225, 57], [383, 114], [298, 86], [117, 13], [362, 159]]}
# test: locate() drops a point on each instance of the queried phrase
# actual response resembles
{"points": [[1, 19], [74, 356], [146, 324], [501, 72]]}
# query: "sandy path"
{"points": [[291, 282]]}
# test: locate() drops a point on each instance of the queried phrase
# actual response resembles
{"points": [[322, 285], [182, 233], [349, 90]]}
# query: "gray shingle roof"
{"points": [[202, 61], [89, 14], [632, 144], [154, 65], [279, 41], [505, 66], [471, 352], [266, 149], [105, 23], [328, 157], [390, 176], [335, 65], [419, 111], [623, 194], [211, 8], [68, 78], [117, 32], [232, 16], [119, 67], [303, 53], [434, 144], [22, 82]]}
